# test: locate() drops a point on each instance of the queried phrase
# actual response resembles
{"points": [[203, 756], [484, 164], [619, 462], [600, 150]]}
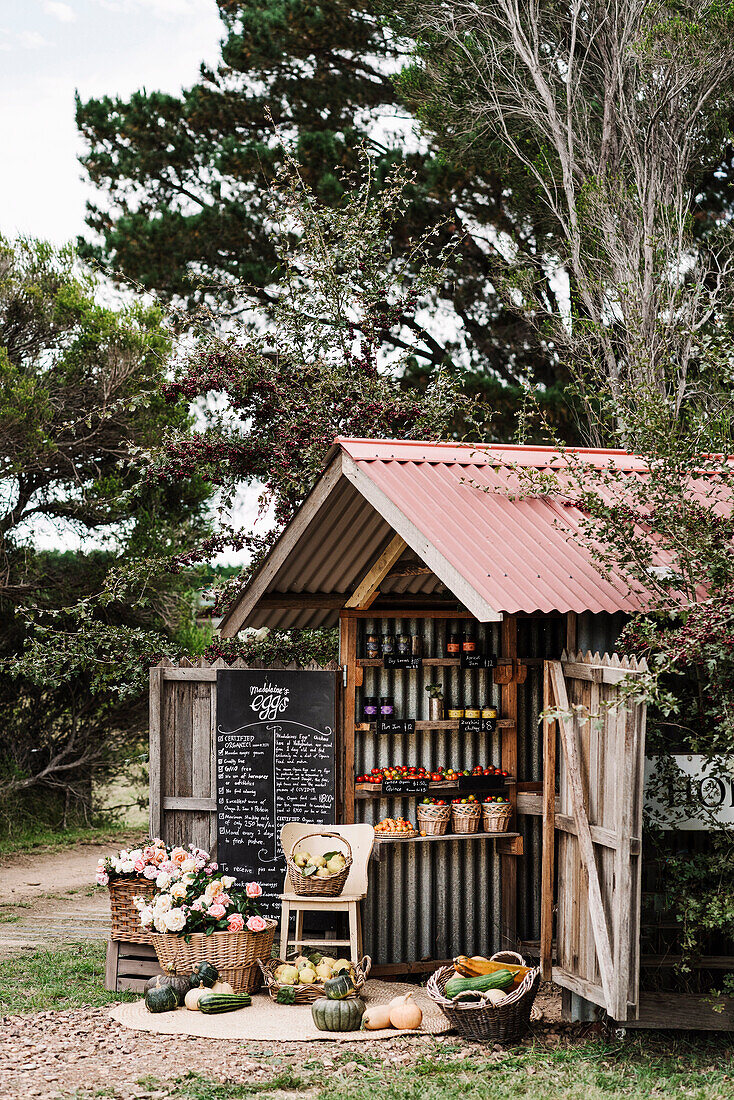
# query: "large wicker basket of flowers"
{"points": [[202, 917]]}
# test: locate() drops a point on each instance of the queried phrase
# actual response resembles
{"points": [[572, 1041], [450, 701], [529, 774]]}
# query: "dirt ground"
{"points": [[47, 898], [50, 1053]]}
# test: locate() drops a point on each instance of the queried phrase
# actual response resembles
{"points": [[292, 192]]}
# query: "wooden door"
{"points": [[595, 822]]}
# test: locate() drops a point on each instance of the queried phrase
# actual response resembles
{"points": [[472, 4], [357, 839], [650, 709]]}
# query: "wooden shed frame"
{"points": [[385, 568]]}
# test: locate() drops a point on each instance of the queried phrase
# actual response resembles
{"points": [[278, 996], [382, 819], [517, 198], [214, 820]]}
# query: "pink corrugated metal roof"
{"points": [[517, 554]]}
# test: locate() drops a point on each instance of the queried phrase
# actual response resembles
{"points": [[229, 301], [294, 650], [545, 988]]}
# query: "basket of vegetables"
{"points": [[308, 978], [489, 1006], [321, 875]]}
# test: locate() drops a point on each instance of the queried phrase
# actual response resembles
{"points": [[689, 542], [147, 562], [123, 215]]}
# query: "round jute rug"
{"points": [[265, 1021]]}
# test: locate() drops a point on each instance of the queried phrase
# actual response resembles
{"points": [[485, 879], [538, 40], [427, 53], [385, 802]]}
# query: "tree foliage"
{"points": [[616, 115], [79, 397], [183, 184]]}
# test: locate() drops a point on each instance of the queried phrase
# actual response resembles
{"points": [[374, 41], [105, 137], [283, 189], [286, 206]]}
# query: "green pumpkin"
{"points": [[329, 1015], [205, 973], [180, 985], [336, 989], [163, 998]]}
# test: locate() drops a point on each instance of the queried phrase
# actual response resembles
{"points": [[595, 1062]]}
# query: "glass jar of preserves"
{"points": [[372, 646], [369, 708], [387, 706], [453, 645], [388, 645]]}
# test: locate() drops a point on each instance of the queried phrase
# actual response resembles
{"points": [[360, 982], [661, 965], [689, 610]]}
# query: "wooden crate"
{"points": [[129, 965]]}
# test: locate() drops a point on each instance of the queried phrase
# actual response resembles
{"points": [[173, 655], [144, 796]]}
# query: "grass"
{"points": [[649, 1066], [68, 977], [32, 837]]}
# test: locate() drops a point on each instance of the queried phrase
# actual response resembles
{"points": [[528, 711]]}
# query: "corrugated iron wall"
{"points": [[437, 900]]}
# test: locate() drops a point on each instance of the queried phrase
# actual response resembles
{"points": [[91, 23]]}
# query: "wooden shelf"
{"points": [[446, 724], [376, 662], [374, 790], [446, 836]]}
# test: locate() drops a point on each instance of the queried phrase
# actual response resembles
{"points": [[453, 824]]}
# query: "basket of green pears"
{"points": [[319, 875], [310, 977]]}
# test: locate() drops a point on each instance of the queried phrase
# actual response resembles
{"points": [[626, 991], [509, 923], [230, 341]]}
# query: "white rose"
{"points": [[227, 881], [137, 854], [175, 920], [188, 879], [188, 865], [178, 891], [163, 879], [159, 923], [163, 903], [127, 866], [146, 916]]}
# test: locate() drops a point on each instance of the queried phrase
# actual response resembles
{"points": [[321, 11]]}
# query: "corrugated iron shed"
{"points": [[494, 552]]}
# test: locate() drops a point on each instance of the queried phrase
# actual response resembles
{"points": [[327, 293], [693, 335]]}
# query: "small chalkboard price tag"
{"points": [[393, 660], [478, 660], [396, 725], [489, 725], [470, 725], [405, 786]]}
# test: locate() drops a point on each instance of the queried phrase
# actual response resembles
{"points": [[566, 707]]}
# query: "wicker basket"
{"points": [[466, 817], [235, 954], [307, 994], [496, 816], [310, 885], [475, 1017], [433, 820], [125, 917]]}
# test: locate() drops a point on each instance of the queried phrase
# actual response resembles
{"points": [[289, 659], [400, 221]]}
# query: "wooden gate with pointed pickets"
{"points": [[594, 748]]}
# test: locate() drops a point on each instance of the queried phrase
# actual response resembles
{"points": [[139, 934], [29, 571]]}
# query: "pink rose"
{"points": [[224, 899], [139, 866], [253, 889], [256, 924], [235, 922], [178, 855], [148, 853], [198, 906], [102, 878], [151, 871], [217, 911]]}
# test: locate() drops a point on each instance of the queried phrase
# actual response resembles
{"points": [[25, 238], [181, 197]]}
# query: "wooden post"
{"points": [[348, 659], [571, 631], [508, 863], [549, 813], [154, 753]]}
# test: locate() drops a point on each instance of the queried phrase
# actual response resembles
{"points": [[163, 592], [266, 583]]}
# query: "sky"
{"points": [[51, 48]]}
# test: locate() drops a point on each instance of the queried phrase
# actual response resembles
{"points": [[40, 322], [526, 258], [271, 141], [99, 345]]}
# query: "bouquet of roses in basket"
{"points": [[151, 861], [201, 900]]}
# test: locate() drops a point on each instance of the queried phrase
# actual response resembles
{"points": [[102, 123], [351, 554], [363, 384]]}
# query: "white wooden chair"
{"points": [[361, 839]]}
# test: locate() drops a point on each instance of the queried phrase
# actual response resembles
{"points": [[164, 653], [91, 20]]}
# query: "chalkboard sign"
{"points": [[478, 660], [396, 725], [394, 660], [405, 786], [275, 763]]}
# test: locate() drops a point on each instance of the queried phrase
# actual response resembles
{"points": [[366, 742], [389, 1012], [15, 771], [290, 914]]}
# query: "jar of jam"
{"points": [[388, 645], [369, 708], [453, 645], [402, 645], [468, 642], [472, 712], [489, 712], [387, 706], [455, 712], [416, 645], [372, 647]]}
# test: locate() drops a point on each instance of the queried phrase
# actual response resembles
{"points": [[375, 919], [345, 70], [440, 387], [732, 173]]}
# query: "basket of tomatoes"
{"points": [[433, 816], [466, 814]]}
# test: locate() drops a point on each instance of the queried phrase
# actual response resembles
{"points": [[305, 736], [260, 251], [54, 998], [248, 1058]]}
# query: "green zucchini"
{"points": [[213, 1003], [500, 979]]}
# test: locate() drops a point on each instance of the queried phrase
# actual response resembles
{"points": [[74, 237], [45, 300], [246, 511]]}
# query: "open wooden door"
{"points": [[597, 820]]}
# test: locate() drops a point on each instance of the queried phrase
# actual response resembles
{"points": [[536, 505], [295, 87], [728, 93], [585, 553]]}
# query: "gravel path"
{"points": [[48, 898], [50, 1054]]}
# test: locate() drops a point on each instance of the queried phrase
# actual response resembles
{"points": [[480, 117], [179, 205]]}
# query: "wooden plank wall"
{"points": [[183, 710], [609, 741]]}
